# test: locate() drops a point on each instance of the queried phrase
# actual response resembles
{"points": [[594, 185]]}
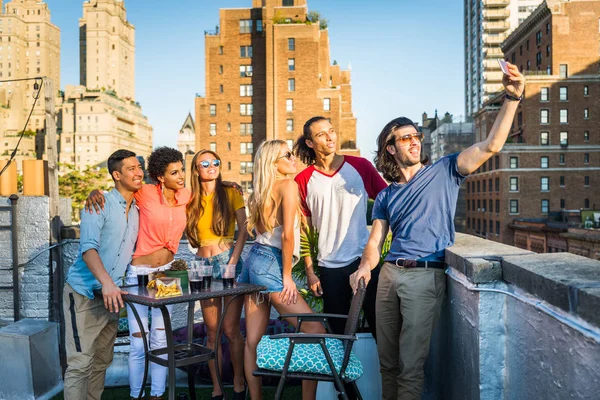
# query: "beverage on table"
{"points": [[206, 273], [227, 274], [194, 277]]}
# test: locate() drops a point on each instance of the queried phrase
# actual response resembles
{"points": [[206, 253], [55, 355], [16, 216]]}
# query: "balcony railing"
{"points": [[495, 3], [493, 52], [489, 39], [496, 13], [495, 26]]}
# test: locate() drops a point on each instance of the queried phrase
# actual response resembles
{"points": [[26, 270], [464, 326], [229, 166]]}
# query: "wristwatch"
{"points": [[513, 98]]}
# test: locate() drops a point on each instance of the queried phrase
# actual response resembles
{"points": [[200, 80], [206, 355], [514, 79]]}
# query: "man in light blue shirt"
{"points": [[106, 246]]}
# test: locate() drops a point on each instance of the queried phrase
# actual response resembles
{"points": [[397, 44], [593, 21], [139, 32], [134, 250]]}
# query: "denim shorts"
{"points": [[263, 266], [221, 259]]}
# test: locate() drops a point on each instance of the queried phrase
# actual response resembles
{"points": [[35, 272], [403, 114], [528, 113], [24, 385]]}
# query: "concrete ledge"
{"points": [[479, 259], [565, 280]]}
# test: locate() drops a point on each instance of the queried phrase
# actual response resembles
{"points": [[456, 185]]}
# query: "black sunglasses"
{"points": [[205, 164], [287, 155]]}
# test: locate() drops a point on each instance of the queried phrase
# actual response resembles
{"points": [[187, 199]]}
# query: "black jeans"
{"points": [[337, 295]]}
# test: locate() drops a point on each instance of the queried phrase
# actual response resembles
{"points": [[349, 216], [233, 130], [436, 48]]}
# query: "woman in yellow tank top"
{"points": [[212, 213]]}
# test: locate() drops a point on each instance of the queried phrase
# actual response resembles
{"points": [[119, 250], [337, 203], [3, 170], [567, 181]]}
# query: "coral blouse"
{"points": [[161, 225]]}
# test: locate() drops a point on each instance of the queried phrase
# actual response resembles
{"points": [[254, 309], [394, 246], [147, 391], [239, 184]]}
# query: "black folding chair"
{"points": [[348, 338]]}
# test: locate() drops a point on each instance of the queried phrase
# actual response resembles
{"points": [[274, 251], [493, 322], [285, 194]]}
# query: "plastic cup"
{"points": [[206, 273], [227, 274], [143, 272], [195, 279]]}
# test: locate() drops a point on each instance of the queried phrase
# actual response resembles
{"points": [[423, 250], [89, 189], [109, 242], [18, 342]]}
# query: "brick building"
{"points": [[268, 70], [552, 157]]}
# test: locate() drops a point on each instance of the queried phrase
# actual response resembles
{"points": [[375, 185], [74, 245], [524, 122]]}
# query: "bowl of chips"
{"points": [[165, 287]]}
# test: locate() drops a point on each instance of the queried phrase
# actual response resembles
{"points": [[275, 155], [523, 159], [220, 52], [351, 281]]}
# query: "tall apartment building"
{"points": [[487, 24], [552, 157], [267, 72], [107, 48], [29, 47], [100, 116]]}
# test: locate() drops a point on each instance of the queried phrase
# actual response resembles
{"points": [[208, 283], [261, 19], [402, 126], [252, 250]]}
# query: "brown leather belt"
{"points": [[404, 263]]}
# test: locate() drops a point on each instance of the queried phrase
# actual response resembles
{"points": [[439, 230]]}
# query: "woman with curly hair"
{"points": [[162, 208], [212, 214], [275, 205]]}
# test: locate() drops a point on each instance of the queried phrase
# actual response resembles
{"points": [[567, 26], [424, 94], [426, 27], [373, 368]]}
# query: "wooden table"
{"points": [[184, 354]]}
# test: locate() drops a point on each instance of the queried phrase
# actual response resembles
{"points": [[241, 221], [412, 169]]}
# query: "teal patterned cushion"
{"points": [[307, 357]]}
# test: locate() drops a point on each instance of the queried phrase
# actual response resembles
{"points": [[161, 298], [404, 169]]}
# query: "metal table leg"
{"points": [[170, 351], [218, 341], [190, 338], [145, 340]]}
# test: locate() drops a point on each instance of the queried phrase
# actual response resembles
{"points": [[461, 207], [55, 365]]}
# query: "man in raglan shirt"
{"points": [[334, 190]]}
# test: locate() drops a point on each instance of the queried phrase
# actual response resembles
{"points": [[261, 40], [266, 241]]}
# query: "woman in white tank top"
{"points": [[275, 212]]}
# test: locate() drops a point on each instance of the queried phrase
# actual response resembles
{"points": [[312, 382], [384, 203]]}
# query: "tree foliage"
{"points": [[77, 185]]}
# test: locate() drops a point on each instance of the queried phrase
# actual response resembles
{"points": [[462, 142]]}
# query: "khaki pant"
{"points": [[408, 304], [90, 332]]}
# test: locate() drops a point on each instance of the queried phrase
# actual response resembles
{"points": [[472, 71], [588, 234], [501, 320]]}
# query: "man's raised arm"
{"points": [[473, 157], [371, 253]]}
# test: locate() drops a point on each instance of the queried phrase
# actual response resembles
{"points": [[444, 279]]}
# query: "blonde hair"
{"points": [[222, 214], [261, 202]]}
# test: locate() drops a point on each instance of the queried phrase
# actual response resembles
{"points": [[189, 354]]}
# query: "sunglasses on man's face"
{"points": [[206, 163], [407, 139], [287, 155]]}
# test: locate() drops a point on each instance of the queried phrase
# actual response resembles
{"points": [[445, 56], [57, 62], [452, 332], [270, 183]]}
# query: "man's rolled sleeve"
{"points": [[90, 230]]}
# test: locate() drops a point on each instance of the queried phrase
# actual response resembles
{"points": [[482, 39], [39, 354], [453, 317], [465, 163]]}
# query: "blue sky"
{"points": [[406, 56]]}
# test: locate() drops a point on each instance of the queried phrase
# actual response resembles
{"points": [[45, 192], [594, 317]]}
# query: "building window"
{"points": [[290, 143], [291, 44], [288, 3], [497, 228], [586, 203], [563, 71], [228, 127], [521, 51], [484, 183], [544, 183], [514, 162], [544, 138], [548, 28], [246, 167], [490, 188], [221, 50], [564, 138], [289, 105], [561, 158], [497, 162], [245, 26], [228, 107], [246, 51], [544, 94], [291, 64], [246, 148], [586, 113], [514, 184], [545, 206], [490, 209], [246, 129], [586, 136], [514, 206], [245, 70], [213, 130], [563, 93], [497, 184], [544, 116], [246, 109], [220, 70], [544, 162], [326, 104], [586, 181], [538, 59], [497, 206], [291, 85], [538, 38], [548, 51], [246, 90], [213, 146], [213, 110], [221, 89], [564, 116], [259, 25], [586, 91], [289, 125], [562, 204]]}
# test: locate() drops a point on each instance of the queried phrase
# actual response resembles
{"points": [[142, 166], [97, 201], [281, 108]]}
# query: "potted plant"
{"points": [[179, 270]]}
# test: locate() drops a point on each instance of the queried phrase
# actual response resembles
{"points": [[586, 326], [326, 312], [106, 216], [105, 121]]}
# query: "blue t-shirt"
{"points": [[421, 212]]}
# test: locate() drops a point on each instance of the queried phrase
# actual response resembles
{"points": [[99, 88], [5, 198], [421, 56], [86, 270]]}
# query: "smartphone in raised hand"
{"points": [[503, 66]]}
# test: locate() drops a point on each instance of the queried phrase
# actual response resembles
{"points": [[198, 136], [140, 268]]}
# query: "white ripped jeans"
{"points": [[158, 339]]}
